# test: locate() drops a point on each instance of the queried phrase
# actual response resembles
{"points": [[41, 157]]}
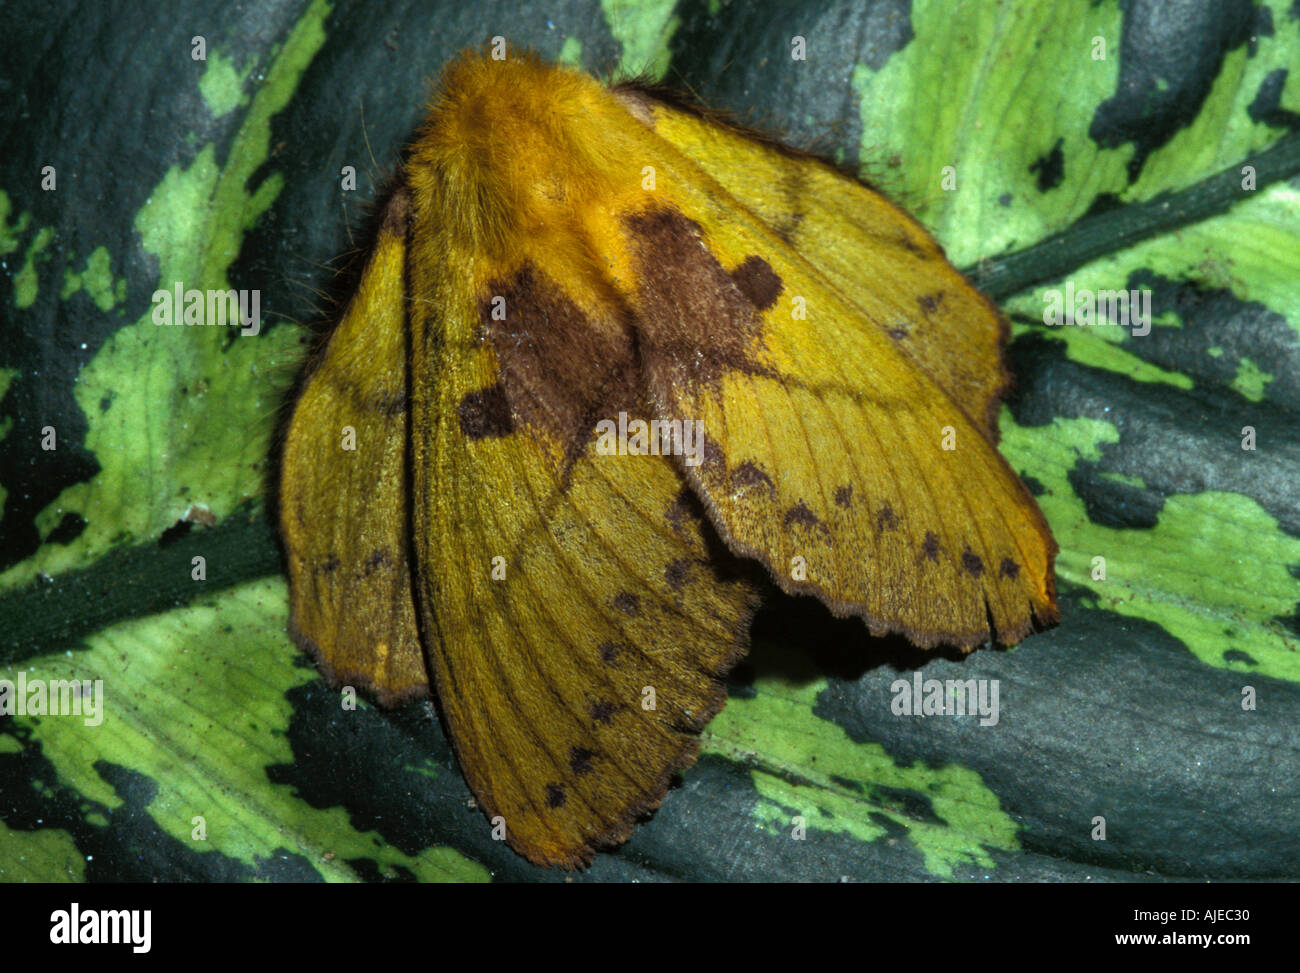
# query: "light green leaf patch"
{"points": [[96, 280], [1223, 133], [644, 30], [988, 89], [843, 785], [7, 375], [195, 700], [222, 84], [1250, 381], [27, 279], [38, 856], [1099, 346], [994, 90], [571, 51], [10, 232], [180, 415], [1213, 572], [1253, 251]]}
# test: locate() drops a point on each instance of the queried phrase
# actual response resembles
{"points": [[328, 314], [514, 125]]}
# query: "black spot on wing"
{"points": [[486, 413], [886, 519], [758, 282], [714, 458], [749, 474], [801, 515], [627, 603]]}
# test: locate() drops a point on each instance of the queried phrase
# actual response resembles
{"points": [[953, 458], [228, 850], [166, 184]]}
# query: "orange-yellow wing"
{"points": [[343, 495], [570, 263], [579, 622], [856, 465], [580, 626], [905, 287]]}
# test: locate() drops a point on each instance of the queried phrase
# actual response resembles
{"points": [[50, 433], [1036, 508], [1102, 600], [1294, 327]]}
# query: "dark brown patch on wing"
{"points": [[608, 652], [555, 796], [627, 603], [931, 545], [675, 573], [750, 474], [694, 324], [930, 302], [486, 413], [886, 519], [801, 515], [580, 760], [713, 458], [758, 282], [844, 496], [1010, 569], [971, 562], [602, 711], [560, 372]]}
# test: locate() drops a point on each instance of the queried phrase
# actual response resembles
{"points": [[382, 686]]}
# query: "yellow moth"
{"points": [[611, 363]]}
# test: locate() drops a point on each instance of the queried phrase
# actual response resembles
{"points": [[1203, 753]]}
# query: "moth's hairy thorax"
{"points": [[519, 162]]}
